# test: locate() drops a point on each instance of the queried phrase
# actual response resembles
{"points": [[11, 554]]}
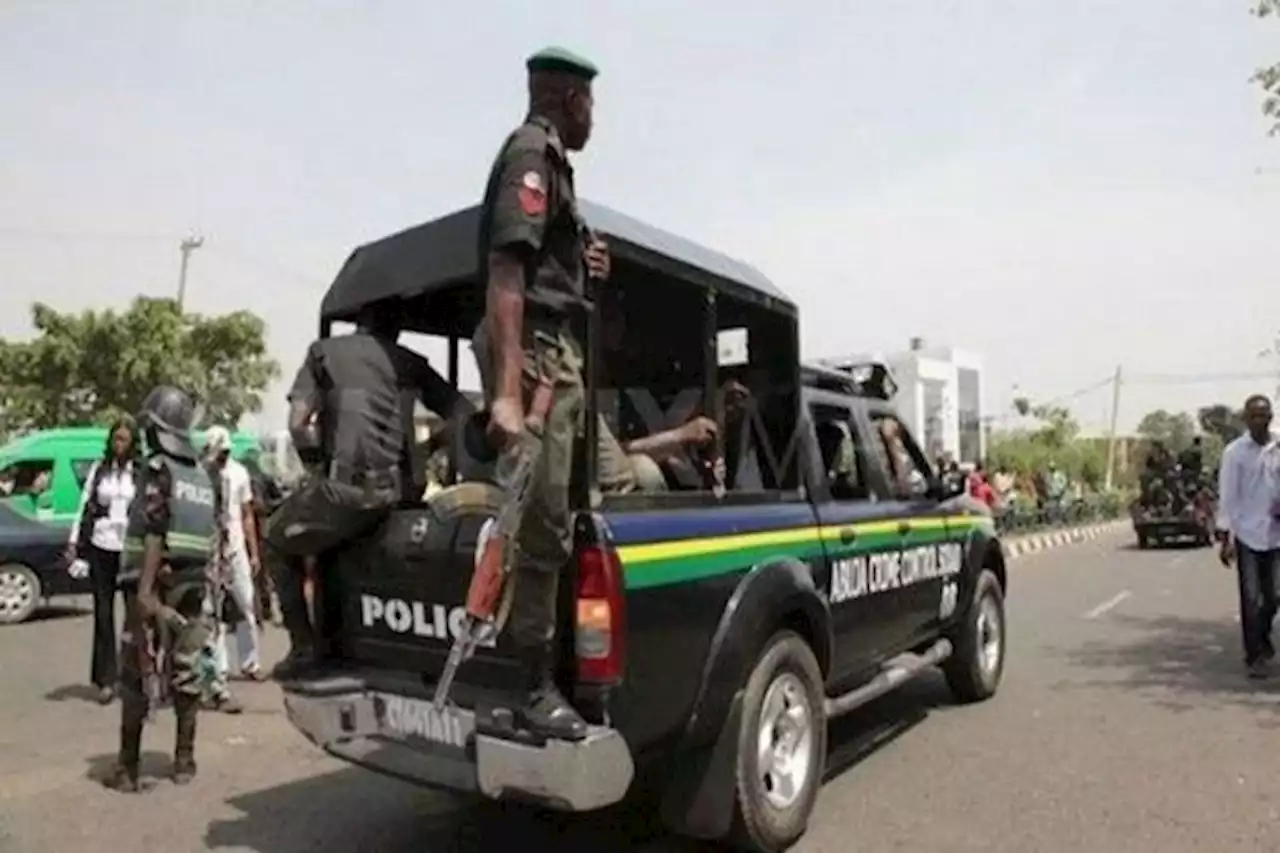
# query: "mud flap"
{"points": [[700, 792]]}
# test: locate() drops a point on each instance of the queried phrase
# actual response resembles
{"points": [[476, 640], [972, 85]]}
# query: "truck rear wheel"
{"points": [[782, 747], [977, 663]]}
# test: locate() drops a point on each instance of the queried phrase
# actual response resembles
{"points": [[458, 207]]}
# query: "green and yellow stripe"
{"points": [[653, 564]]}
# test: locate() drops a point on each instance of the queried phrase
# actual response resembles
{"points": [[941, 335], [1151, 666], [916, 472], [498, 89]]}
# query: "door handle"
{"points": [[904, 528], [848, 535]]}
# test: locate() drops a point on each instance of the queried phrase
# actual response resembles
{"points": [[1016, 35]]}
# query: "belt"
{"points": [[365, 478]]}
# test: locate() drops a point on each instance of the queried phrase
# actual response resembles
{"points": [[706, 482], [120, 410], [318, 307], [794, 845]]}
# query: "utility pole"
{"points": [[1115, 419], [187, 246]]}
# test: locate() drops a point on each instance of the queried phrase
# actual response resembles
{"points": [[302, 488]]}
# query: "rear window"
{"points": [[82, 467]]}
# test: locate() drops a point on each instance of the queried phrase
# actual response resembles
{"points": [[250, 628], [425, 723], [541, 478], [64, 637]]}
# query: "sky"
{"points": [[1059, 187]]}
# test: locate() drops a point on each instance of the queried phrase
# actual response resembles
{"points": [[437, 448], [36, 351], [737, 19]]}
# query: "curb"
{"points": [[1035, 542]]}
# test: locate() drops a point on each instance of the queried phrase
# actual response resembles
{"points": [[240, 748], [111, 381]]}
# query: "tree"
{"points": [[90, 367], [1221, 420], [1269, 77], [1172, 429], [1056, 439]]}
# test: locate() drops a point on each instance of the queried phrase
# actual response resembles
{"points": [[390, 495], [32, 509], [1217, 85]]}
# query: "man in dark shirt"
{"points": [[351, 411]]}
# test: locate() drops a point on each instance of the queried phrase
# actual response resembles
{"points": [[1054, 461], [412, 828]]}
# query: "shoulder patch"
{"points": [[155, 463]]}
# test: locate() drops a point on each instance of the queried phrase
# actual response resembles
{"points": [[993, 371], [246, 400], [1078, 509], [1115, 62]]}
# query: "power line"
{"points": [[222, 248], [238, 255], [1074, 395], [69, 236], [1196, 378]]}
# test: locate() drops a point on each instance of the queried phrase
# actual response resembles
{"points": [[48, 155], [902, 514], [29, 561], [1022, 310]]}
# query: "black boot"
{"points": [[297, 622], [546, 712], [184, 761], [297, 664], [124, 776]]}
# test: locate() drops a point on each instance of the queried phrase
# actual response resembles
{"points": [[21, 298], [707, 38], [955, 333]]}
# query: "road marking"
{"points": [[1108, 604]]}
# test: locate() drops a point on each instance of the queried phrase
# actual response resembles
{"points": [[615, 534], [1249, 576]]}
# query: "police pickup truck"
{"points": [[710, 626]]}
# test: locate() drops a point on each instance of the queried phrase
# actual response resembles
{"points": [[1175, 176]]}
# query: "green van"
{"points": [[42, 473]]}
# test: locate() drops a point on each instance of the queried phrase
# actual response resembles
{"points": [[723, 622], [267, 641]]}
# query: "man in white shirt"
{"points": [[241, 560], [1247, 489]]}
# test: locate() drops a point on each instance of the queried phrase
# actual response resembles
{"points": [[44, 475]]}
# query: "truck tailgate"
{"points": [[400, 594]]}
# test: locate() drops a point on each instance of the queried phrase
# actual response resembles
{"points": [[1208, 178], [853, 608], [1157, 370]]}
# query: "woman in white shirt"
{"points": [[97, 537]]}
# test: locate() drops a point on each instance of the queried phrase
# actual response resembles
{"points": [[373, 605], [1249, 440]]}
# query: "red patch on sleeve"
{"points": [[533, 201]]}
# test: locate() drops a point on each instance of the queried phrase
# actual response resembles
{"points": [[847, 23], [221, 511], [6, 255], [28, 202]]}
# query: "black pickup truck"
{"points": [[709, 630]]}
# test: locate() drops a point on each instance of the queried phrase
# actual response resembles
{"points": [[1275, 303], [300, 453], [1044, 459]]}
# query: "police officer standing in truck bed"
{"points": [[536, 253], [351, 412]]}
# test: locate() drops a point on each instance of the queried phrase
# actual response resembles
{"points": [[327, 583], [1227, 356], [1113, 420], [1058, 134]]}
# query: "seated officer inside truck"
{"points": [[622, 466]]}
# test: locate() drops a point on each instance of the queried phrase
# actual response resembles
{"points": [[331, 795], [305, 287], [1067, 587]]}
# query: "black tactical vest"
{"points": [[193, 524]]}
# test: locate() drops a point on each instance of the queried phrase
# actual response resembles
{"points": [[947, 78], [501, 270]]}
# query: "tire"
{"points": [[976, 664], [784, 688], [19, 593]]}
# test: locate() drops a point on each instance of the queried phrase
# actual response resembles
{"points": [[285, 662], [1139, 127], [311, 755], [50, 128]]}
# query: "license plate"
{"points": [[417, 719]]}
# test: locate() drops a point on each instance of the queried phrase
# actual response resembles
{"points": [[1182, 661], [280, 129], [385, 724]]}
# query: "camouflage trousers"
{"points": [[186, 669], [545, 539]]}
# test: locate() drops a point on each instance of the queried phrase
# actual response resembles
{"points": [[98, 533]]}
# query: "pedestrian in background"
{"points": [[97, 539], [980, 487], [237, 521], [1248, 483], [267, 496]]}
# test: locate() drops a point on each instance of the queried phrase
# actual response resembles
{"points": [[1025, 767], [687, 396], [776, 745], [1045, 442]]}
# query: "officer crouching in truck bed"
{"points": [[351, 412]]}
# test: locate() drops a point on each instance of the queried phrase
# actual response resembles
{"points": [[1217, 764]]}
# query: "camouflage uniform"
{"points": [[175, 502]]}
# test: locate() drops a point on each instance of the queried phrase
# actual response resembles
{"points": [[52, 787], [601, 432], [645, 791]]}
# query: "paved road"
{"points": [[1123, 724]]}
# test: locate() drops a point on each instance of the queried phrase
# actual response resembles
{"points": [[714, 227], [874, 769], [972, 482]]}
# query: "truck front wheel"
{"points": [[782, 746]]}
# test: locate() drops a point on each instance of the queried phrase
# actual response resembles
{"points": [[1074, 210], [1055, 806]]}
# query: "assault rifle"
{"points": [[489, 594]]}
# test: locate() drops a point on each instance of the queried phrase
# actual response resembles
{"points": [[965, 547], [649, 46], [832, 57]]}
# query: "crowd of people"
{"points": [[1048, 493]]}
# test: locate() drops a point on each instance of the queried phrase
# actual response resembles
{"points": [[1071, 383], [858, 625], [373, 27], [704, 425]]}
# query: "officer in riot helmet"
{"points": [[169, 543]]}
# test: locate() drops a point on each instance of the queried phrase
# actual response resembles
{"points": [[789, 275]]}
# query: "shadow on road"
{"points": [[78, 692], [1179, 660], [52, 612], [151, 767], [1187, 545], [352, 809]]}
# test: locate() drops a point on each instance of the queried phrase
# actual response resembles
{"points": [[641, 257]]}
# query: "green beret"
{"points": [[565, 61]]}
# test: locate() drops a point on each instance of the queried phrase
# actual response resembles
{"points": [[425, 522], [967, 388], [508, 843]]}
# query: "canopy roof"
{"points": [[436, 265]]}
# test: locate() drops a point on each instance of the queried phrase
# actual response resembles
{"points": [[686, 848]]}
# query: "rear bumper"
{"points": [[402, 736], [1171, 527]]}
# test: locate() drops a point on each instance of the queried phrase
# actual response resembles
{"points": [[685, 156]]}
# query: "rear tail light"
{"points": [[600, 629]]}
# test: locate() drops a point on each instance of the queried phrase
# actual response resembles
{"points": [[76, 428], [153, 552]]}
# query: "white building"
{"points": [[939, 398]]}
